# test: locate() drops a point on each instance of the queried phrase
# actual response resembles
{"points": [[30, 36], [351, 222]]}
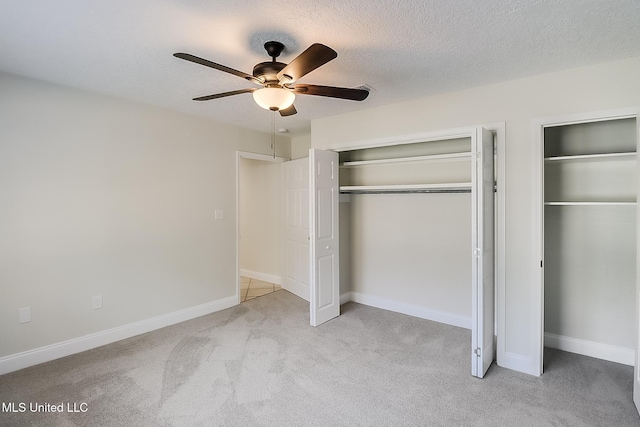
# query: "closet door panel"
{"points": [[325, 243], [482, 332], [636, 366]]}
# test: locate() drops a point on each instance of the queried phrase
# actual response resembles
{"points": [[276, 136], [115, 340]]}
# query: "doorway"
{"points": [[258, 203]]}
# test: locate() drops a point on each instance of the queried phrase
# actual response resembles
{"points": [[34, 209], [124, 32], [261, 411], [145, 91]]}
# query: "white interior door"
{"points": [[296, 251], [324, 285], [482, 328]]}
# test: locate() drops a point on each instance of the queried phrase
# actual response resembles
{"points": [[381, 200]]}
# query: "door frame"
{"points": [[537, 293], [253, 156]]}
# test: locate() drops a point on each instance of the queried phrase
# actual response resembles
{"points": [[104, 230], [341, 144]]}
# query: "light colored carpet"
{"points": [[261, 364]]}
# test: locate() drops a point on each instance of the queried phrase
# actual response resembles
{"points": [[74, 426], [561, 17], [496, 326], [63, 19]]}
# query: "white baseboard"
{"points": [[299, 290], [411, 310], [47, 353], [345, 298], [608, 352], [265, 277]]}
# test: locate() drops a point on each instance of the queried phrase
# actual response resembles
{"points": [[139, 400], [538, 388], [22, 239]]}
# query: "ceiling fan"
{"points": [[278, 80]]}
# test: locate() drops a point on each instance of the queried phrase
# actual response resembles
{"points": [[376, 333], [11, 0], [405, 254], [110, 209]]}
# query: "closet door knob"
{"points": [[327, 247]]}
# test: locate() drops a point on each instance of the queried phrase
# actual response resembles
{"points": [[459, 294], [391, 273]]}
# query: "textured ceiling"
{"points": [[402, 49]]}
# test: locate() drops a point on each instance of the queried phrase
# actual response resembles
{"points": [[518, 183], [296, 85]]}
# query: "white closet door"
{"points": [[296, 259], [636, 367], [325, 289], [482, 328]]}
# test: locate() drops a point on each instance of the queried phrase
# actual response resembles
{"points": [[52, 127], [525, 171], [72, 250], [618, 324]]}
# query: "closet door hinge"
{"points": [[477, 252], [477, 351], [476, 156]]}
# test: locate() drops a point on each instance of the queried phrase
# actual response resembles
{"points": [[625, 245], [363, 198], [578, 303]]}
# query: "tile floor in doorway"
{"points": [[253, 288]]}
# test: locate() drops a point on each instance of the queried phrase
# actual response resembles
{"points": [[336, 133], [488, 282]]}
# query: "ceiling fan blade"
{"points": [[316, 55], [207, 63], [223, 94], [288, 111], [331, 91]]}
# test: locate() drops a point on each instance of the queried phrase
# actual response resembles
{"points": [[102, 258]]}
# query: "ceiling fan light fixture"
{"points": [[274, 98]]}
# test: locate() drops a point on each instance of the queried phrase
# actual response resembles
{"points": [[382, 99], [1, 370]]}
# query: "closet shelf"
{"points": [[604, 156], [458, 187], [433, 157], [590, 203]]}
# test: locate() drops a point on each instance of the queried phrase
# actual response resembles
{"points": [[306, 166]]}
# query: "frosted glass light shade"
{"points": [[274, 98]]}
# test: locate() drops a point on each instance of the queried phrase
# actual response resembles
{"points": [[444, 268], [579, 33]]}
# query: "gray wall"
{"points": [[104, 196], [260, 219]]}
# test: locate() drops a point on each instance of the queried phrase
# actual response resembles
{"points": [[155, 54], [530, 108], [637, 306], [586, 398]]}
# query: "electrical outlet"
{"points": [[219, 214], [96, 302], [24, 315]]}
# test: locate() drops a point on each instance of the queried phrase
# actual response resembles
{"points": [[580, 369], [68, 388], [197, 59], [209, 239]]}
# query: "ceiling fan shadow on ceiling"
{"points": [[278, 80]]}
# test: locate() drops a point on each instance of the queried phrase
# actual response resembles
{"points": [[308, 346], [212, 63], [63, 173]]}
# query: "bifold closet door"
{"points": [[636, 367], [325, 243], [482, 236]]}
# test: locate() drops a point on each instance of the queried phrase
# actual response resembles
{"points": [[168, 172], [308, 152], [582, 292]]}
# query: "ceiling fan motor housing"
{"points": [[268, 71]]}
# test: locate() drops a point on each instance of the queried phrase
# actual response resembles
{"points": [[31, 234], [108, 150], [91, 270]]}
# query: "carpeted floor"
{"points": [[261, 364]]}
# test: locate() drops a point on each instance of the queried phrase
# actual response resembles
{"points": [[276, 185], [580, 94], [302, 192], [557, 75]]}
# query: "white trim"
{"points": [[47, 353], [537, 291], [411, 310], [265, 277], [598, 350], [253, 156], [537, 144], [345, 298]]}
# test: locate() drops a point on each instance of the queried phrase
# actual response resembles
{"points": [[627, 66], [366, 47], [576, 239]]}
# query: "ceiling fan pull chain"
{"points": [[273, 133]]}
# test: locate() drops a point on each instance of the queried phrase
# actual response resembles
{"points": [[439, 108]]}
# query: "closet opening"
{"points": [[590, 187], [420, 237], [586, 213]]}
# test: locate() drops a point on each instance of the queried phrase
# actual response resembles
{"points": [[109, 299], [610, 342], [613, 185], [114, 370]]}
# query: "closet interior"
{"points": [[407, 247], [428, 255], [590, 187], [435, 166]]}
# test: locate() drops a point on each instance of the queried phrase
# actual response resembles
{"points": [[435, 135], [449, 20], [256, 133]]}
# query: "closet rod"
{"points": [[425, 190]]}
